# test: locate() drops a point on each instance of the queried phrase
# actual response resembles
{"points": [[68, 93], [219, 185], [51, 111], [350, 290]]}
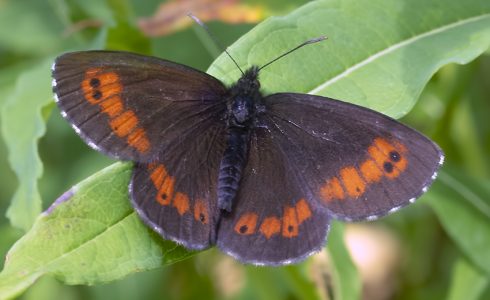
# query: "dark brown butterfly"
{"points": [[258, 176]]}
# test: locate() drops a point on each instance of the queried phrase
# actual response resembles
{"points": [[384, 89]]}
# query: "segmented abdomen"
{"points": [[232, 165]]}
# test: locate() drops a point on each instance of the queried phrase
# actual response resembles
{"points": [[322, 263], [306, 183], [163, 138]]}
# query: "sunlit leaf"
{"points": [[346, 279], [22, 126], [468, 282], [463, 208], [89, 235], [379, 54]]}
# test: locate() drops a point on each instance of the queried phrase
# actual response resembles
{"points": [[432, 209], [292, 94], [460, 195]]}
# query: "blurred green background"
{"points": [[414, 256]]}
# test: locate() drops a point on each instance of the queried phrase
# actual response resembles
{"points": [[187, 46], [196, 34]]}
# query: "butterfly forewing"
{"points": [[273, 220], [356, 162], [131, 106]]}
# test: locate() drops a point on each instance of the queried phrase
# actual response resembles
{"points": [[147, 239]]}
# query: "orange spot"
{"points": [[201, 211], [163, 183], [108, 85], [181, 202], [353, 183], [166, 191], [380, 152], [112, 106], [123, 124], [289, 222], [270, 226], [158, 174], [370, 171], [138, 140], [246, 224], [303, 211], [332, 190]]}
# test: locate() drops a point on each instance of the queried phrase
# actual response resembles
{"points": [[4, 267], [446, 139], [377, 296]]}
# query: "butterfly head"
{"points": [[249, 83]]}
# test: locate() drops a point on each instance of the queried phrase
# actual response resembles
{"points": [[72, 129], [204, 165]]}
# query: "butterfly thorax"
{"points": [[244, 97], [242, 107]]}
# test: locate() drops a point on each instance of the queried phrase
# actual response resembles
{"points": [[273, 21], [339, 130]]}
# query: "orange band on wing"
{"points": [[385, 159], [103, 88], [290, 221]]}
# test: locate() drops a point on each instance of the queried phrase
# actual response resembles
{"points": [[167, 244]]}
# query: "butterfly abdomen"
{"points": [[232, 164]]}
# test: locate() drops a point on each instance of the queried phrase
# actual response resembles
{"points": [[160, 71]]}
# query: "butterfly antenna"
{"points": [[215, 40], [311, 41]]}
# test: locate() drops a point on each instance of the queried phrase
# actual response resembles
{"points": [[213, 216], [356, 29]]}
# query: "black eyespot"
{"points": [[94, 82], [395, 156], [202, 218], [290, 228], [164, 196], [243, 229], [97, 95], [388, 167]]}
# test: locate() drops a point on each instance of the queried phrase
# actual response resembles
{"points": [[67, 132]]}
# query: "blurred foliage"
{"points": [[441, 242]]}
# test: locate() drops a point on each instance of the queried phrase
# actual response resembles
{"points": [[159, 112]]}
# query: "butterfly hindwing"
{"points": [[131, 106], [273, 220], [176, 196], [358, 163]]}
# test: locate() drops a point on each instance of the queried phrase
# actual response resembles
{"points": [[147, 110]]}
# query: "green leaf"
{"points": [[22, 126], [89, 235], [346, 279], [28, 27], [468, 282], [125, 36], [463, 208], [379, 54]]}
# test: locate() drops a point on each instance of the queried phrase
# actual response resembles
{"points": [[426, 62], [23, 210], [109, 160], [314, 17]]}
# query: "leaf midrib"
{"points": [[393, 48]]}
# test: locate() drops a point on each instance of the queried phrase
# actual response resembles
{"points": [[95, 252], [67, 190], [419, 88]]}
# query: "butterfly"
{"points": [[259, 176]]}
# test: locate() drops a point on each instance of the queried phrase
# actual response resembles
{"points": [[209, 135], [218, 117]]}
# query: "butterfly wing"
{"points": [[356, 162], [134, 107], [273, 219], [177, 195], [165, 116]]}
